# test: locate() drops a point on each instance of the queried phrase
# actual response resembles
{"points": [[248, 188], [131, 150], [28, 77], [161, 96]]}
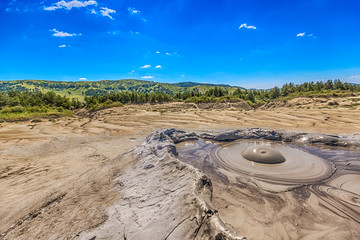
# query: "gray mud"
{"points": [[177, 192], [315, 194]]}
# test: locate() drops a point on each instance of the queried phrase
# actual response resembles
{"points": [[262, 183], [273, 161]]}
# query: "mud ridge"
{"points": [[170, 200]]}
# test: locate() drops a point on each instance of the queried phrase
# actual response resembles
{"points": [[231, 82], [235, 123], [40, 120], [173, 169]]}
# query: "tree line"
{"points": [[14, 98], [28, 99]]}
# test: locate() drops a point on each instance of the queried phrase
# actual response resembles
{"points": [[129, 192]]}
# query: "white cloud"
{"points": [[114, 32], [158, 66], [182, 75], [106, 12], [355, 77], [93, 11], [167, 54], [244, 25], [133, 10], [146, 66], [71, 4], [82, 79], [57, 33], [136, 33], [157, 52], [64, 46], [301, 34], [148, 77]]}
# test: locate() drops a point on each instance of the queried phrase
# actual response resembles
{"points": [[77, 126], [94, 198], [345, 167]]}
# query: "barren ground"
{"points": [[56, 178]]}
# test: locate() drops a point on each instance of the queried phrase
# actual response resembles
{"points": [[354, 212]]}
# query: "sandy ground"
{"points": [[56, 177]]}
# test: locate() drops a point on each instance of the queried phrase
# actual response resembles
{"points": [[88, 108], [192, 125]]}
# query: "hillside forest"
{"points": [[30, 98]]}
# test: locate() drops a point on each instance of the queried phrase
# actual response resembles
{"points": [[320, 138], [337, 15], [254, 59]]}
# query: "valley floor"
{"points": [[56, 178]]}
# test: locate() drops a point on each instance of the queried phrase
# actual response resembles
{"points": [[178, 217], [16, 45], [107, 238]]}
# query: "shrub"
{"points": [[36, 120], [334, 103], [15, 109]]}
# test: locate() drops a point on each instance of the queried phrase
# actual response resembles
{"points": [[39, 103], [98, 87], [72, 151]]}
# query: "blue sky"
{"points": [[258, 43]]}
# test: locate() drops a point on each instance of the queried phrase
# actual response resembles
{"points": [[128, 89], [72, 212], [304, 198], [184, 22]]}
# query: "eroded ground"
{"points": [[56, 178]]}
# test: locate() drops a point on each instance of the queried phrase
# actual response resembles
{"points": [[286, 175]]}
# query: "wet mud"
{"points": [[314, 194]]}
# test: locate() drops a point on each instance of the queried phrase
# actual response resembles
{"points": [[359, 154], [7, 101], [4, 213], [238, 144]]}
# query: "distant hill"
{"points": [[194, 84], [82, 88]]}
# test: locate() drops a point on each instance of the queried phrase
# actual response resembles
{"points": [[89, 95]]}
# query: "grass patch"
{"points": [[17, 113], [107, 104], [351, 105], [321, 94]]}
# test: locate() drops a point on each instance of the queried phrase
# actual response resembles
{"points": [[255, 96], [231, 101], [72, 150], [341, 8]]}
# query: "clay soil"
{"points": [[56, 177]]}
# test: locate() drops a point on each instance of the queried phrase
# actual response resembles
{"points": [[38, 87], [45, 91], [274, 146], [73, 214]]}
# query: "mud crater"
{"points": [[314, 193]]}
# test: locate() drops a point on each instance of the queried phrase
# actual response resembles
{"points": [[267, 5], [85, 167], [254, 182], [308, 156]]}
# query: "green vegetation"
{"points": [[17, 105], [219, 94], [87, 88], [27, 99]]}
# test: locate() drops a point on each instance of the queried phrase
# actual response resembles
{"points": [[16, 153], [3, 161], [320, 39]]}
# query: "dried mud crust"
{"points": [[168, 200], [173, 200]]}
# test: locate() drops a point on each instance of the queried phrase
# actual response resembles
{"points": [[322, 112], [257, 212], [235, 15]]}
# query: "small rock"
{"points": [[149, 166]]}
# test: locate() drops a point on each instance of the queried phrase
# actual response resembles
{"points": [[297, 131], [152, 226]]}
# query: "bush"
{"points": [[36, 120], [107, 104], [334, 103], [15, 109]]}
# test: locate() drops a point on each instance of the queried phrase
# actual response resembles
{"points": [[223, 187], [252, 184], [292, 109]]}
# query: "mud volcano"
{"points": [[280, 165], [238, 185], [280, 185], [263, 154]]}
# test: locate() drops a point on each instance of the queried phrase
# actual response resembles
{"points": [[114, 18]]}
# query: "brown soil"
{"points": [[56, 177]]}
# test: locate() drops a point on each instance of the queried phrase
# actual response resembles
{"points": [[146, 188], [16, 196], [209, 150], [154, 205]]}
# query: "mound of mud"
{"points": [[166, 198]]}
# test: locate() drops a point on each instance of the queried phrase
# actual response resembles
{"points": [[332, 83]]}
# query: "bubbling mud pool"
{"points": [[312, 193]]}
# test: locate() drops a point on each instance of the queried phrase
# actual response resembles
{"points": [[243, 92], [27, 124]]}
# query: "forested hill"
{"points": [[88, 88]]}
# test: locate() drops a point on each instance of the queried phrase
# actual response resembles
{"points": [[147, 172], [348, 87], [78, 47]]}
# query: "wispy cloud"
{"points": [[148, 77], [303, 34], [244, 25], [132, 10], [300, 34], [146, 66], [114, 32], [106, 12], [158, 66], [166, 53], [355, 77], [82, 79], [57, 33], [64, 46], [18, 6], [70, 4], [135, 12]]}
